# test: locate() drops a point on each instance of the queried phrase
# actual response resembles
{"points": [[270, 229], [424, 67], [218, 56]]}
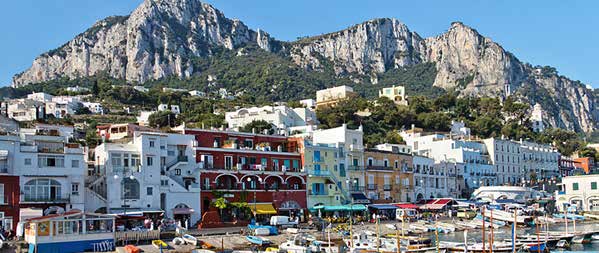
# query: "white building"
{"points": [[478, 170], [51, 169], [579, 191], [309, 103], [540, 159], [197, 93], [395, 148], [140, 88], [155, 172], [144, 117], [58, 106], [353, 159], [397, 94], [77, 89], [40, 96], [332, 96], [459, 130], [24, 109], [537, 118], [507, 160], [282, 117], [173, 108], [518, 193], [95, 108]]}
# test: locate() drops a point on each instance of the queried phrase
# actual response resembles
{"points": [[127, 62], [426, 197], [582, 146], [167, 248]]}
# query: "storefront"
{"points": [[384, 211]]}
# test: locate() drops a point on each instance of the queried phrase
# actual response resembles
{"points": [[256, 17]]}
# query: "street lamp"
{"points": [[249, 179]]}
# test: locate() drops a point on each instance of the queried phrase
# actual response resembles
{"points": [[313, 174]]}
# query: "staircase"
{"points": [[93, 200], [345, 194]]}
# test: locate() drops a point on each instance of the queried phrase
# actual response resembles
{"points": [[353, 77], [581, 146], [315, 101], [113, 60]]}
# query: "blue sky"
{"points": [[562, 34]]}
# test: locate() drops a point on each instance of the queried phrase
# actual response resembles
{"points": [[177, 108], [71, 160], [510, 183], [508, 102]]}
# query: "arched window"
{"points": [[42, 190], [130, 188]]}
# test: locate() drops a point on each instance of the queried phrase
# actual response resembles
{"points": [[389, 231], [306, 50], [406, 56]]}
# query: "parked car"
{"points": [[283, 221]]}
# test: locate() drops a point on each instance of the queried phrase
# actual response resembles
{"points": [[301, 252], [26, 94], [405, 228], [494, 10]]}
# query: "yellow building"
{"points": [[388, 176], [396, 93], [326, 174]]}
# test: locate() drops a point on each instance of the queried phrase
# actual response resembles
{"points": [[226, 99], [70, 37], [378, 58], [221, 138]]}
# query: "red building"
{"points": [[264, 171], [9, 202]]}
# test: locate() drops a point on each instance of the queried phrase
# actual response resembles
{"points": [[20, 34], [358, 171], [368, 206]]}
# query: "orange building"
{"points": [[388, 176], [585, 163]]}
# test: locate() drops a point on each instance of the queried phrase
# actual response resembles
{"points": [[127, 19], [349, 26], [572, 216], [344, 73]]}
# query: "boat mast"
{"points": [[566, 219], [537, 231], [483, 216], [491, 239], [378, 238], [514, 231]]}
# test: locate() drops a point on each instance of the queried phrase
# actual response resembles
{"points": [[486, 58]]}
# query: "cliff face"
{"points": [[465, 60], [155, 41], [160, 37]]}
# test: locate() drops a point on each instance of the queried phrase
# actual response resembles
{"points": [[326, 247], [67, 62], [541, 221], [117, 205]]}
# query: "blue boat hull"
{"points": [[66, 247]]}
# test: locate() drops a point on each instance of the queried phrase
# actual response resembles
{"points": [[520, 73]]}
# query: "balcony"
{"points": [[355, 168], [372, 187], [45, 199], [126, 169], [356, 188], [387, 187], [318, 193], [372, 167], [4, 168], [182, 158], [319, 173]]}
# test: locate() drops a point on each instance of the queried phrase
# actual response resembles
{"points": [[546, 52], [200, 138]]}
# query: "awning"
{"points": [[360, 198], [383, 207], [262, 208], [356, 207], [28, 213], [183, 210], [406, 206], [336, 208], [435, 204]]}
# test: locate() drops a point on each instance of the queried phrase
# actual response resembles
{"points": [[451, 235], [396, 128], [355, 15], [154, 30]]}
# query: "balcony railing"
{"points": [[249, 167], [373, 167], [319, 173], [356, 188], [355, 168], [387, 187], [372, 187], [46, 199]]}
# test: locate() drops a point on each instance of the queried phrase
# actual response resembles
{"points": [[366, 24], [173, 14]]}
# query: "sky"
{"points": [[558, 33]]}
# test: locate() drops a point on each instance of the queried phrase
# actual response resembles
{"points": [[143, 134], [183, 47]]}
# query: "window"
{"points": [[42, 190], [152, 143], [593, 185], [342, 170], [316, 156], [2, 200], [163, 182], [75, 189], [135, 160], [228, 162], [295, 164], [116, 160], [149, 191], [575, 186], [171, 153], [50, 161], [27, 161], [74, 163], [149, 161], [178, 172], [130, 188]]}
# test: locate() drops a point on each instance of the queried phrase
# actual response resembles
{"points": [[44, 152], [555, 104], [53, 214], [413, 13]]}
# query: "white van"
{"points": [[407, 213], [282, 221]]}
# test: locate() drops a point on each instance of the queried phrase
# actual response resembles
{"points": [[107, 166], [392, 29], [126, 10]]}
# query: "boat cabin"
{"points": [[73, 231]]}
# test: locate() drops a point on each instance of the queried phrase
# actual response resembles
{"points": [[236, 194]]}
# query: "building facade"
{"points": [[154, 173], [397, 94], [10, 196], [389, 176], [249, 168], [507, 160], [332, 96], [579, 191], [282, 117]]}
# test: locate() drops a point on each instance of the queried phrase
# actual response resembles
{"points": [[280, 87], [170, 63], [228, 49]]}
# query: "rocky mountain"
{"points": [[161, 38], [155, 41]]}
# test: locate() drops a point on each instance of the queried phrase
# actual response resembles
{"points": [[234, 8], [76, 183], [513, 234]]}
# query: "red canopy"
{"points": [[436, 204], [406, 206]]}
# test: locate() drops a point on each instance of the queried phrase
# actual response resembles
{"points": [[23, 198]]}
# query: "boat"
{"points": [[499, 247], [202, 251], [263, 230], [190, 239], [419, 228], [581, 239], [592, 216], [562, 244], [508, 217], [595, 237], [497, 223], [570, 216], [535, 247], [131, 249], [178, 241], [298, 244], [257, 240], [159, 244], [272, 249]]}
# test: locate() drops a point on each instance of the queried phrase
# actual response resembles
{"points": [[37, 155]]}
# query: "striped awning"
{"points": [[436, 204]]}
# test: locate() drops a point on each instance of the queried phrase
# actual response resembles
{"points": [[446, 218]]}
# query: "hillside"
{"points": [[185, 43]]}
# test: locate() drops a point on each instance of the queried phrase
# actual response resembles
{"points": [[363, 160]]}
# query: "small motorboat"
{"points": [[202, 251], [562, 244], [257, 240], [159, 244], [581, 239], [131, 249], [178, 241], [595, 237], [535, 247], [190, 239]]}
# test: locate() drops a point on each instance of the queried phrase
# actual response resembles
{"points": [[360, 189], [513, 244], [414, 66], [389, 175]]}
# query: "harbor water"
{"points": [[505, 233]]}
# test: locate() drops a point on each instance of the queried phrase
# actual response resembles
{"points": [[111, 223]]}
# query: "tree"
{"points": [[587, 152], [163, 119], [258, 126], [82, 110], [220, 203]]}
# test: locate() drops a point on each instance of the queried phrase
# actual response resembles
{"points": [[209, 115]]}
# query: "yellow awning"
{"points": [[262, 208]]}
